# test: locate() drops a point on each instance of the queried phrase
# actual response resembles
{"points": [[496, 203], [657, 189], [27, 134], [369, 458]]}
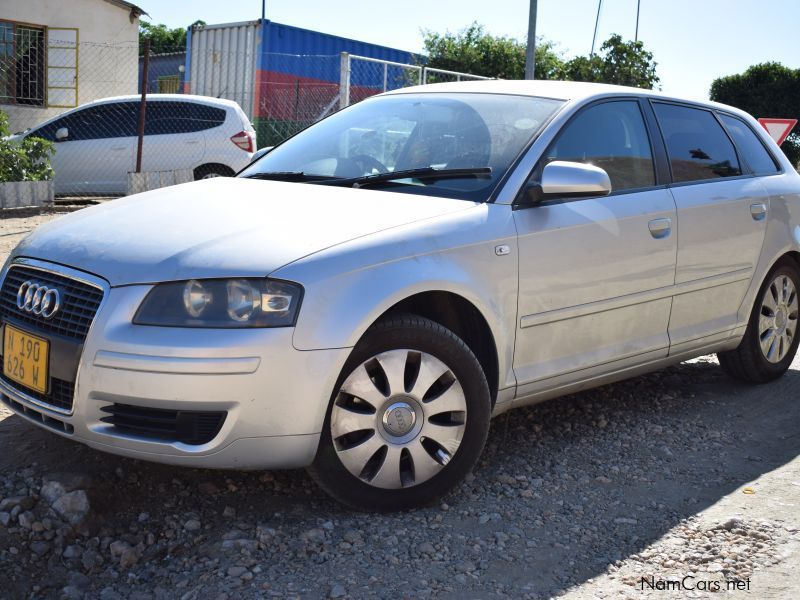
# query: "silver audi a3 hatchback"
{"points": [[366, 296]]}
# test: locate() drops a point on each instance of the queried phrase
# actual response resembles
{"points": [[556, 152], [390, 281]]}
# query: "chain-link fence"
{"points": [[204, 114]]}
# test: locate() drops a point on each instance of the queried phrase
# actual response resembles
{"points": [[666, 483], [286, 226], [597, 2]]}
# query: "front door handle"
{"points": [[758, 211], [660, 228]]}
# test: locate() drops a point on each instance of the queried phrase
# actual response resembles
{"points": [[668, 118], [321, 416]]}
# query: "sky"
{"points": [[693, 41]]}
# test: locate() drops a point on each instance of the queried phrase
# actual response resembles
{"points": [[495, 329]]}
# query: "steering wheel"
{"points": [[368, 164]]}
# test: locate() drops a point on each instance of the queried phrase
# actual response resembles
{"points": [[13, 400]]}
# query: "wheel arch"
{"points": [[792, 253], [460, 316], [212, 167]]}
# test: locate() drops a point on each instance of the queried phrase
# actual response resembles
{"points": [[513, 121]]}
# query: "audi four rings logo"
{"points": [[38, 299]]}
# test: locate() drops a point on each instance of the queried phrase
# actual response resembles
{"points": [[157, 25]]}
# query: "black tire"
{"points": [[747, 362], [212, 170], [409, 332]]}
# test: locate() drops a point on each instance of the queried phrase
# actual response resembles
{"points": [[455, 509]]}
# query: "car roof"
{"points": [[162, 97], [559, 90]]}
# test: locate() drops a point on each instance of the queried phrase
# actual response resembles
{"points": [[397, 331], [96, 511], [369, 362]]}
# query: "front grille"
{"points": [[60, 396], [79, 302], [188, 427]]}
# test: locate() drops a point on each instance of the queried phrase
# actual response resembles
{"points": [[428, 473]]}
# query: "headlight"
{"points": [[221, 303]]}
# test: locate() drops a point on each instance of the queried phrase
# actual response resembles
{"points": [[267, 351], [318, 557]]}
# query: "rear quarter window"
{"points": [[698, 147], [758, 159]]}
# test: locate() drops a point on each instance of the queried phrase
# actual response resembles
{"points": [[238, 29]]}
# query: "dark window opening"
{"points": [[752, 149], [697, 145], [611, 136], [22, 64], [164, 117]]}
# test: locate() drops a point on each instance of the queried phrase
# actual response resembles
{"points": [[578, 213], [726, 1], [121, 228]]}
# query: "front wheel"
{"points": [[770, 342], [408, 419]]}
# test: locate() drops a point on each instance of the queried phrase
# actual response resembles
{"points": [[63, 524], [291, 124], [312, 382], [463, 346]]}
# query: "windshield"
{"points": [[481, 134]]}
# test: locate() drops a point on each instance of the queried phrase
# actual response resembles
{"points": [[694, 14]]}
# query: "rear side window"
{"points": [[611, 136], [207, 116], [752, 150], [168, 117], [698, 147]]}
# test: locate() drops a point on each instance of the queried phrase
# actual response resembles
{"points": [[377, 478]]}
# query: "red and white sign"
{"points": [[778, 129]]}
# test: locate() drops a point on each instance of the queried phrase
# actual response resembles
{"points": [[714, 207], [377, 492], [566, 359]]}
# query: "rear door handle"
{"points": [[660, 228], [758, 211]]}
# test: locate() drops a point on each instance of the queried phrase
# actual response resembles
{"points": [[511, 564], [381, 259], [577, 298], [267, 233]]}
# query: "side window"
{"points": [[94, 123], [697, 145], [160, 118], [48, 132], [167, 118], [107, 121], [753, 151], [205, 116], [611, 136]]}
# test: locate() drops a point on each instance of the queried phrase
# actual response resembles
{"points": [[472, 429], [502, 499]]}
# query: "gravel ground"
{"points": [[623, 491]]}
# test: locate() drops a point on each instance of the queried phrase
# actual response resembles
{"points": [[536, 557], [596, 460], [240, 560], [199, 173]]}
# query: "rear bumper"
{"points": [[274, 397]]}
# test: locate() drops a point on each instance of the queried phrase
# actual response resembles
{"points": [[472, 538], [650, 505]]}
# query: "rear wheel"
{"points": [[770, 342], [408, 419]]}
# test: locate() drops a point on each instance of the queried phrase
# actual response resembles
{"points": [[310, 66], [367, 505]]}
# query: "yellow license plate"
{"points": [[25, 358]]}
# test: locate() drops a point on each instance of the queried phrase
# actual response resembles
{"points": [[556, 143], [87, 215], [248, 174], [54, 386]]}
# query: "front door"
{"points": [[596, 275], [98, 151]]}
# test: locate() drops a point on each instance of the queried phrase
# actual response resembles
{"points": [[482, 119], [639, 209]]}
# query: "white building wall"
{"points": [[107, 53]]}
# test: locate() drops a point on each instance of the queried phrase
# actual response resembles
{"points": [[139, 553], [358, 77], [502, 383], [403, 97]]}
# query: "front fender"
{"points": [[349, 287]]}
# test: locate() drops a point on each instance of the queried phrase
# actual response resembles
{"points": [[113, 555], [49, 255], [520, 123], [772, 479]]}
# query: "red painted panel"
{"points": [[286, 97]]}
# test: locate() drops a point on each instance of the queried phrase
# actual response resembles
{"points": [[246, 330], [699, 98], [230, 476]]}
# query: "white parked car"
{"points": [[363, 298], [96, 143]]}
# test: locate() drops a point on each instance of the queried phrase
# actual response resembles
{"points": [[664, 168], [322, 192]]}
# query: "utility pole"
{"points": [[638, 6], [596, 22], [530, 52]]}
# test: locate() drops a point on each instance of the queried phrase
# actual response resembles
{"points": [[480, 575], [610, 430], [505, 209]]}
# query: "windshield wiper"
{"points": [[286, 176], [423, 173]]}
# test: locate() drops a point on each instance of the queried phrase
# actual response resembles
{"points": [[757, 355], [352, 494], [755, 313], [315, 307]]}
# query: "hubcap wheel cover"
{"points": [[777, 321], [398, 419]]}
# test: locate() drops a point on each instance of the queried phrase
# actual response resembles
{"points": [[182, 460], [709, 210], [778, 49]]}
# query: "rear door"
{"points": [[722, 220], [173, 136], [596, 274]]}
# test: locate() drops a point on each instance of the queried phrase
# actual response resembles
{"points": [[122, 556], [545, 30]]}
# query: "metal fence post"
{"points": [[344, 80], [143, 104], [423, 75]]}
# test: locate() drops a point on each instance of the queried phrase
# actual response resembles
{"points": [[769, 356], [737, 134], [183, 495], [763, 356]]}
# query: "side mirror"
{"points": [[562, 180], [62, 134]]}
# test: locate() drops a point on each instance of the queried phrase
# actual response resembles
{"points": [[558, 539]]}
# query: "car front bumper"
{"points": [[273, 397]]}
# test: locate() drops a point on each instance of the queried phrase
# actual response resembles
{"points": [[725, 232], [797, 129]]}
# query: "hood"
{"points": [[221, 227]]}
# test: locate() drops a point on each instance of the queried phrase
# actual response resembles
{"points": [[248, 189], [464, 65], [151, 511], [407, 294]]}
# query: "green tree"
{"points": [[162, 38], [765, 90], [28, 160], [619, 63], [472, 50]]}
